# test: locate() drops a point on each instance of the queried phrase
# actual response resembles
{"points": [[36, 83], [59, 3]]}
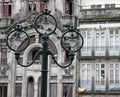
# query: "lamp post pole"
{"points": [[72, 35], [44, 70]]}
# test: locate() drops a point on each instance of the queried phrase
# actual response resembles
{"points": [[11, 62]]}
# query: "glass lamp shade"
{"points": [[17, 40], [73, 41], [45, 24]]}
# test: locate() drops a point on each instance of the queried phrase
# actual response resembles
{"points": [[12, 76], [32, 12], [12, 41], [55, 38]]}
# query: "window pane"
{"points": [[102, 65], [111, 65], [18, 90], [111, 77], [53, 90], [5, 90], [117, 77]]}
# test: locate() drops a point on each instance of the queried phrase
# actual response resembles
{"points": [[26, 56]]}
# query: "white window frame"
{"points": [[99, 77], [100, 43], [87, 46], [114, 46], [113, 83], [86, 75]]}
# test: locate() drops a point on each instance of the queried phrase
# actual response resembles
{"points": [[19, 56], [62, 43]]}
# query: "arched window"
{"points": [[30, 87], [39, 87]]}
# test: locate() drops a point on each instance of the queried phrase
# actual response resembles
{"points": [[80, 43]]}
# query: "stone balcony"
{"points": [[99, 15], [68, 20], [5, 22]]}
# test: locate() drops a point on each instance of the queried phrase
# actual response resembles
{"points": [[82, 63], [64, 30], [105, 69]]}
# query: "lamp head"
{"points": [[45, 23], [73, 41], [17, 39]]}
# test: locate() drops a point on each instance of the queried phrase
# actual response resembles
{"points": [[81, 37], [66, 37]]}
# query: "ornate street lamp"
{"points": [[71, 37]]}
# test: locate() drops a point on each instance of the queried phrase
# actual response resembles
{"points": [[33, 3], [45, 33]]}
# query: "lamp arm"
{"points": [[17, 56], [71, 58]]}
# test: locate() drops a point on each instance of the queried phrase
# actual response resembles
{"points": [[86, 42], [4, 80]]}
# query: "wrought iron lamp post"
{"points": [[71, 36]]}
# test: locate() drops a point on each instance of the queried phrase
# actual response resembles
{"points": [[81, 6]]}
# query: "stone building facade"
{"points": [[96, 67]]}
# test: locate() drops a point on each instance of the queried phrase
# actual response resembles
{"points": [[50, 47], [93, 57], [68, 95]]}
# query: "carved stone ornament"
{"points": [[3, 70], [68, 70]]}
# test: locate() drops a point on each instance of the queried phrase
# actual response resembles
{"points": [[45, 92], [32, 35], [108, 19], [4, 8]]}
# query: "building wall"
{"points": [[94, 66]]}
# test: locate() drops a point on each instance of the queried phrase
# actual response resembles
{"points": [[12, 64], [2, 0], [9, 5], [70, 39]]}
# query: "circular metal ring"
{"points": [[7, 38], [74, 31], [46, 12]]}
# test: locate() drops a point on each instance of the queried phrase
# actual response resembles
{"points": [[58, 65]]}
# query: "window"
{"points": [[53, 90], [69, 7], [114, 42], [7, 0], [3, 89], [87, 46], [100, 43], [30, 87], [100, 40], [35, 5], [32, 6], [86, 75], [67, 90], [100, 76], [18, 90], [115, 74], [109, 5], [4, 56], [95, 6], [7, 8]]}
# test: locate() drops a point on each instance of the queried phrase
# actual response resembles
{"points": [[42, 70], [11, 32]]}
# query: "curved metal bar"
{"points": [[17, 56], [64, 66], [7, 38], [72, 30], [45, 12]]}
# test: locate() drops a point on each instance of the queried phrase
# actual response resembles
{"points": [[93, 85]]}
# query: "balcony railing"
{"points": [[88, 84], [100, 51]]}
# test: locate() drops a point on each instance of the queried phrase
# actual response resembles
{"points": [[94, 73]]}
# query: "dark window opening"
{"points": [[69, 7], [9, 10], [30, 79], [3, 90], [32, 6]]}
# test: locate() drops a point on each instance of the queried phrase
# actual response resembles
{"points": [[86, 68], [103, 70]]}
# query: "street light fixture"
{"points": [[72, 38]]}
